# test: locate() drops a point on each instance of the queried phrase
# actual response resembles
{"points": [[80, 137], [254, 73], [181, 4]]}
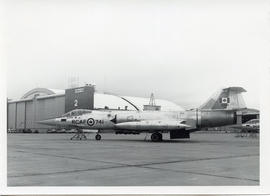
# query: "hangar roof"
{"points": [[102, 100], [165, 105], [111, 101], [41, 92]]}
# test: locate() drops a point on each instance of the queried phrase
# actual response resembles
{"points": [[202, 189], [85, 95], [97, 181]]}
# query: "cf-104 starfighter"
{"points": [[219, 110]]}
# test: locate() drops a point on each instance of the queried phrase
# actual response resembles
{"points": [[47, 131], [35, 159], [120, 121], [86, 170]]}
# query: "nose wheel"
{"points": [[98, 137], [156, 137]]}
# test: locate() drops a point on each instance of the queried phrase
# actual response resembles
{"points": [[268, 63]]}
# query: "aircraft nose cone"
{"points": [[47, 122]]}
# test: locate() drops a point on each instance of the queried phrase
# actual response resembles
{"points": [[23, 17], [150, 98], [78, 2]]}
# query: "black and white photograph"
{"points": [[135, 93]]}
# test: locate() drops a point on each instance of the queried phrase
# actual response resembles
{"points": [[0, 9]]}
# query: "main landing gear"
{"points": [[98, 137], [156, 137]]}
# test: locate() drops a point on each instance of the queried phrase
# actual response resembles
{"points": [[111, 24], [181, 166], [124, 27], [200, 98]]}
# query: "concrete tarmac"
{"points": [[128, 160]]}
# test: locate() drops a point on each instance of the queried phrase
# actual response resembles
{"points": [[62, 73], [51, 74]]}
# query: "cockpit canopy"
{"points": [[76, 112]]}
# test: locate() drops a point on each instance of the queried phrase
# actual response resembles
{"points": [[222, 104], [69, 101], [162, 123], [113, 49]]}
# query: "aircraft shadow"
{"points": [[146, 141]]}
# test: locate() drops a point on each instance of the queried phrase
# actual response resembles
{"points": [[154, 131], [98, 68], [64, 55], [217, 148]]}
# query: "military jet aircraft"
{"points": [[221, 109]]}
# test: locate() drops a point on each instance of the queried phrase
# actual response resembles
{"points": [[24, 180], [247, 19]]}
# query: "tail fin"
{"points": [[228, 98]]}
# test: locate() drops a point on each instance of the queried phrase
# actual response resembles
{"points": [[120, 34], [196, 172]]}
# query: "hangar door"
{"points": [[79, 98]]}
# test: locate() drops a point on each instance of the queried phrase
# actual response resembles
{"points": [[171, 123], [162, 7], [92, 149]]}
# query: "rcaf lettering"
{"points": [[78, 121]]}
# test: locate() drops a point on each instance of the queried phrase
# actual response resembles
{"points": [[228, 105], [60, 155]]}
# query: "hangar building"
{"points": [[42, 103]]}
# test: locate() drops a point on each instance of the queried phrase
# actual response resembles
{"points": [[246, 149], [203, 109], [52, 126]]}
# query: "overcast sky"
{"points": [[183, 51]]}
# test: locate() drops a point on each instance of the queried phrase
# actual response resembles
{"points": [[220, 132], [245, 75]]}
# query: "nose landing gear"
{"points": [[79, 135], [156, 137], [98, 137]]}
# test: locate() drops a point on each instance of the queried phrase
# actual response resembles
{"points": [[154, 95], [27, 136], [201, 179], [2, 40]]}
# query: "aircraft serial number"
{"points": [[99, 121]]}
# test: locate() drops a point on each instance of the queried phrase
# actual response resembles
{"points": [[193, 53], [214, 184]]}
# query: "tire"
{"points": [[156, 137], [160, 137], [98, 137]]}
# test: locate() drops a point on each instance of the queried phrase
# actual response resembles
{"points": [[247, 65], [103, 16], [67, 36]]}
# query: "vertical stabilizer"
{"points": [[228, 98]]}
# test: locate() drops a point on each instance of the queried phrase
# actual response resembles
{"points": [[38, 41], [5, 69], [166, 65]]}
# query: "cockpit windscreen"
{"points": [[76, 112]]}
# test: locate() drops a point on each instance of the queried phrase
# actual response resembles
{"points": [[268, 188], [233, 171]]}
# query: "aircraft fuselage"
{"points": [[147, 120]]}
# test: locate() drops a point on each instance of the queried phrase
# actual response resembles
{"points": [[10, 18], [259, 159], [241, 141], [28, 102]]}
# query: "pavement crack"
{"points": [[144, 165], [65, 172], [203, 174], [201, 159]]}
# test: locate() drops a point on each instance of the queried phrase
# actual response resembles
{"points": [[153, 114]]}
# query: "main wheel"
{"points": [[160, 136], [156, 137], [98, 137]]}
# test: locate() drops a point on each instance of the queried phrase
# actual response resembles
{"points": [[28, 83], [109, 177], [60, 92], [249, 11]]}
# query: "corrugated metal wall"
{"points": [[20, 115], [25, 114], [11, 115], [29, 115], [49, 108]]}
